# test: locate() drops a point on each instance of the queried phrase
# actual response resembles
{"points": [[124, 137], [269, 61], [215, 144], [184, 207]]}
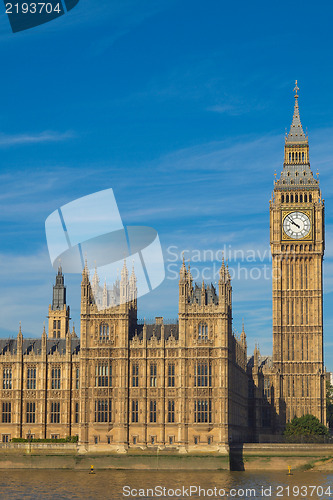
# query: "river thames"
{"points": [[117, 484]]}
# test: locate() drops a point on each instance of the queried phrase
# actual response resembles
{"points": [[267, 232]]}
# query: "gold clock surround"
{"points": [[297, 208]]}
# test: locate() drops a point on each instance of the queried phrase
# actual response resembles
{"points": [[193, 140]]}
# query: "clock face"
{"points": [[296, 225]]}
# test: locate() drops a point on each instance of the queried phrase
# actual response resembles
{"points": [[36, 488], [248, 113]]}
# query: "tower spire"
{"points": [[296, 134], [59, 292]]}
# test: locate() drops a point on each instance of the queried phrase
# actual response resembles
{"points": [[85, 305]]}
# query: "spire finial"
{"points": [[296, 89]]}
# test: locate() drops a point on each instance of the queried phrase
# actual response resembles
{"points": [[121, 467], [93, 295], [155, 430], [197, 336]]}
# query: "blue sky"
{"points": [[181, 108]]}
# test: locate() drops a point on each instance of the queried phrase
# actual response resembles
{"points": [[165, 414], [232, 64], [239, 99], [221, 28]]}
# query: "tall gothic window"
{"points": [[31, 378], [171, 411], [202, 375], [55, 412], [77, 378], [135, 375], [103, 375], [6, 412], [31, 412], [7, 378], [77, 412], [55, 378], [103, 410], [203, 331], [153, 375], [152, 411], [104, 332], [202, 411], [135, 411], [171, 375], [56, 328]]}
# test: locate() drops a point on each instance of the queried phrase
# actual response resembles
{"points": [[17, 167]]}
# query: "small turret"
{"points": [[132, 286], [58, 312], [95, 285], [44, 338], [124, 285], [105, 296], [203, 293], [19, 340], [183, 271], [59, 292], [243, 336], [74, 336], [256, 357]]}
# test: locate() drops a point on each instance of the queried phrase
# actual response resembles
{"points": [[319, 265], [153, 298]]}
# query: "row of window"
{"points": [[202, 375], [296, 198], [30, 413], [104, 332], [103, 376], [202, 411], [297, 156], [300, 248], [32, 377], [103, 411]]}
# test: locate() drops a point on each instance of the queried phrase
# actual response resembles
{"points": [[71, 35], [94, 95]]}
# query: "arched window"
{"points": [[287, 198], [296, 198], [293, 156], [301, 198], [305, 198], [103, 332], [203, 331], [291, 198], [302, 156], [289, 156], [310, 197], [282, 198]]}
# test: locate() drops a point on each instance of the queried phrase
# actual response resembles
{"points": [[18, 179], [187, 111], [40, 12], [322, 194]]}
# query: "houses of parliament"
{"points": [[190, 385]]}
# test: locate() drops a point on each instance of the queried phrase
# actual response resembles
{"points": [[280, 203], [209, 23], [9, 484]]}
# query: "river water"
{"points": [[116, 484]]}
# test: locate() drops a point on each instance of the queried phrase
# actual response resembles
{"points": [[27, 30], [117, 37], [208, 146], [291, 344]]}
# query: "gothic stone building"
{"points": [[187, 385], [123, 384]]}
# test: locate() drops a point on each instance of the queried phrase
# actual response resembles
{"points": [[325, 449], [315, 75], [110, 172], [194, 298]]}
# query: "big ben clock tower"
{"points": [[297, 246]]}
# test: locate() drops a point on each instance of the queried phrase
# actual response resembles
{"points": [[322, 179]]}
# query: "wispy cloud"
{"points": [[8, 140]]}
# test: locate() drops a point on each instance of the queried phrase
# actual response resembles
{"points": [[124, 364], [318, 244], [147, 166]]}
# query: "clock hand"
{"points": [[290, 220]]}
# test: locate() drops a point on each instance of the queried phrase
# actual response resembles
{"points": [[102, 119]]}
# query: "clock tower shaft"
{"points": [[297, 246]]}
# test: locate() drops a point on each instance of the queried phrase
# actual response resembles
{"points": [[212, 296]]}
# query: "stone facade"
{"points": [[188, 385], [125, 384]]}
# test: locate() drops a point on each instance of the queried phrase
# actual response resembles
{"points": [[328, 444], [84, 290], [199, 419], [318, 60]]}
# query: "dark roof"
{"points": [[155, 329], [263, 361], [35, 345], [210, 295]]}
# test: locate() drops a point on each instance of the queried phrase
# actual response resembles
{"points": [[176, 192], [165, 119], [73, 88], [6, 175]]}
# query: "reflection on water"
{"points": [[66, 484]]}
